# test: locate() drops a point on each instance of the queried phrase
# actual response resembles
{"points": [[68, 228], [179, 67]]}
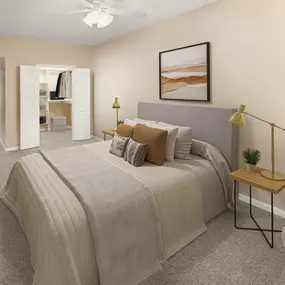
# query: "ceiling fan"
{"points": [[100, 13]]}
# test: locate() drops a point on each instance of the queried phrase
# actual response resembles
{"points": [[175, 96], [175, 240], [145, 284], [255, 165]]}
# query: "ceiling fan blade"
{"points": [[124, 12], [79, 11], [85, 3], [113, 2]]}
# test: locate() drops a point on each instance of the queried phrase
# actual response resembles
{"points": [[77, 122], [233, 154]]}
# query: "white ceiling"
{"points": [[45, 19]]}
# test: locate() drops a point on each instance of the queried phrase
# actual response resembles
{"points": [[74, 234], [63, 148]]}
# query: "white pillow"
{"points": [[170, 140], [183, 141], [136, 121], [130, 122], [144, 121]]}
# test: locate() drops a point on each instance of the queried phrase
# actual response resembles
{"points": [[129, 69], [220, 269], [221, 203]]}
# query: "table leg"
{"points": [[271, 230], [250, 200], [235, 202], [104, 136], [272, 221]]}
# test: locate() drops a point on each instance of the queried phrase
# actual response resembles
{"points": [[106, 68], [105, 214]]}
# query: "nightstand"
{"points": [[255, 179], [110, 133]]}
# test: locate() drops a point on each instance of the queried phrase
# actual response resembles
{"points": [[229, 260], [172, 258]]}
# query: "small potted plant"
{"points": [[252, 158]]}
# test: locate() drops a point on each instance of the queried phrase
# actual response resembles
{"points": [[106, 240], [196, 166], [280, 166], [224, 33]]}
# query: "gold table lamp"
{"points": [[117, 106], [239, 119]]}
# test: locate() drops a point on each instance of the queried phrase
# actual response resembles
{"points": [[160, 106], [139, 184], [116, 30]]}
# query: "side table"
{"points": [[108, 133], [255, 179]]}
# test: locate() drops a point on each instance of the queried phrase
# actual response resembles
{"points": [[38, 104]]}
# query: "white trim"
{"points": [[9, 148], [55, 67], [262, 205], [5, 99], [1, 142], [12, 148]]}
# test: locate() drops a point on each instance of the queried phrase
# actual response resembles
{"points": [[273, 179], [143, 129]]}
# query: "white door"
{"points": [[81, 115], [29, 107]]}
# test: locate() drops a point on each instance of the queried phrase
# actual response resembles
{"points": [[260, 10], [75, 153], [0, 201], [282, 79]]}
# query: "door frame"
{"points": [[56, 67], [3, 141]]}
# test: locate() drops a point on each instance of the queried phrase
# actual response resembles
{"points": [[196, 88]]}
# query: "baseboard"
{"points": [[8, 149], [262, 205], [12, 148], [98, 138]]}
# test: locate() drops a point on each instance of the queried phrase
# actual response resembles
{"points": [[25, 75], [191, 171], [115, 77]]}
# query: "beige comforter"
{"points": [[57, 228]]}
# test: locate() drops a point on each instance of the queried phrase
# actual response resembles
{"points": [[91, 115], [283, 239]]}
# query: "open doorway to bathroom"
{"points": [[2, 101]]}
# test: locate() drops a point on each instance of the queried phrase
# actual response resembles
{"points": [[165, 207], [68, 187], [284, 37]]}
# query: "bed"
{"points": [[92, 218]]}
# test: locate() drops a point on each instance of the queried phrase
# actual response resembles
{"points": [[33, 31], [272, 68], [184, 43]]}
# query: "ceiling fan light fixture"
{"points": [[105, 20], [91, 19]]}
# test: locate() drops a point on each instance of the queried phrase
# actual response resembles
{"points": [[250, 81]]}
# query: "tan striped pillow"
{"points": [[135, 153]]}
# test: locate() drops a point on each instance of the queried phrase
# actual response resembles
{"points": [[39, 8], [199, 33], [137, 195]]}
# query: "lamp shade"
{"points": [[116, 105], [105, 20], [91, 19], [238, 118]]}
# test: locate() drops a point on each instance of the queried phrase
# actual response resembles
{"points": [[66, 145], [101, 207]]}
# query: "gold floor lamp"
{"points": [[239, 119], [117, 106]]}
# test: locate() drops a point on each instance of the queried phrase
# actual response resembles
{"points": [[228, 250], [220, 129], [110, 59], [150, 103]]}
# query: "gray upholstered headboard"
{"points": [[210, 124]]}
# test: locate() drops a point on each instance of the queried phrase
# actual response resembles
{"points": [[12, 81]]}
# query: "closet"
{"points": [[55, 99], [46, 105]]}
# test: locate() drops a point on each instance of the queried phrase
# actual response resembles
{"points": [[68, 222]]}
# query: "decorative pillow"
{"points": [[135, 153], [125, 131], [183, 141], [170, 141], [156, 141], [119, 145]]}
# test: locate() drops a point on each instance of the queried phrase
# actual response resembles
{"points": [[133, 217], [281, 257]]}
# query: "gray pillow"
{"points": [[135, 153], [119, 145]]}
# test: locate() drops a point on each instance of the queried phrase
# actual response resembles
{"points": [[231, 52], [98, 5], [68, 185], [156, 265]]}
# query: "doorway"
{"points": [[55, 103]]}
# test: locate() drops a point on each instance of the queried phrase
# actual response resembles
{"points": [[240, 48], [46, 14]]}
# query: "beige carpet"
{"points": [[221, 256]]}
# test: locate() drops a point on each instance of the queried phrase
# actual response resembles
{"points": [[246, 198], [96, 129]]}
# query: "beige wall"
{"points": [[247, 40], [31, 52], [2, 100]]}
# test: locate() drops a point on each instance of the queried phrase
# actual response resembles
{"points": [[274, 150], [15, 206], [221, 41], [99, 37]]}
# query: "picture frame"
{"points": [[185, 73]]}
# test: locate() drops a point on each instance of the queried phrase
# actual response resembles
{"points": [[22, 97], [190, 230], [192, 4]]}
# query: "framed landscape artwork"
{"points": [[185, 73]]}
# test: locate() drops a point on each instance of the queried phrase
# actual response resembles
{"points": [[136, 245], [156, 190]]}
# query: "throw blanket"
{"points": [[120, 211], [177, 196], [218, 161]]}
